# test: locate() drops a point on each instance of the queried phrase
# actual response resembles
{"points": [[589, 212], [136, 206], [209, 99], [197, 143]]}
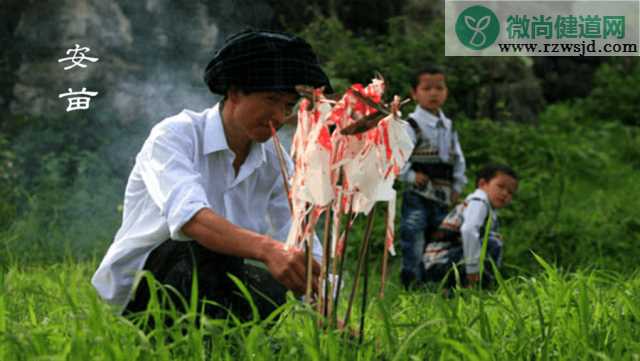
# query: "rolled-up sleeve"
{"points": [[407, 175], [459, 166], [474, 216], [167, 168]]}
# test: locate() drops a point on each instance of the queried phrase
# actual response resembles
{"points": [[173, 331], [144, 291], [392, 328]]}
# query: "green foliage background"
{"points": [[63, 179]]}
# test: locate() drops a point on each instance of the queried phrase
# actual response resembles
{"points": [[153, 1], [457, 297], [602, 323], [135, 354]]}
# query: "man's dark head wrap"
{"points": [[264, 61]]}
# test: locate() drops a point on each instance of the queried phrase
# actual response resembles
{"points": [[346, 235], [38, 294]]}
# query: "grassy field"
{"points": [[52, 313], [576, 207]]}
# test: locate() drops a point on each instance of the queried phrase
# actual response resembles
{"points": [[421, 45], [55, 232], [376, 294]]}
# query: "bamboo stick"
{"points": [[361, 257], [326, 256], [365, 289], [308, 244], [309, 255], [341, 266], [283, 165], [334, 267], [385, 257]]}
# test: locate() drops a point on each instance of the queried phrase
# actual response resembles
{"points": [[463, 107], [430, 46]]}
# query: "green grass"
{"points": [[575, 207], [52, 313]]}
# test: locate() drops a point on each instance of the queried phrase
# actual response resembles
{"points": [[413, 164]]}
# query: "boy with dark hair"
{"points": [[203, 182], [434, 174], [459, 239]]}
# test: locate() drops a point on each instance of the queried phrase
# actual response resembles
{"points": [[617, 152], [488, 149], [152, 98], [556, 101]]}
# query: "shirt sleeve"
{"points": [[406, 173], [474, 217], [459, 166], [169, 174]]}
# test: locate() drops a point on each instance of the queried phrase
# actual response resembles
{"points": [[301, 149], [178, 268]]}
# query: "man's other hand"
{"points": [[421, 179], [288, 266]]}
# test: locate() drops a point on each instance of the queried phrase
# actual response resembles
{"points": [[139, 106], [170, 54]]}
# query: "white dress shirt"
{"points": [[186, 165]]}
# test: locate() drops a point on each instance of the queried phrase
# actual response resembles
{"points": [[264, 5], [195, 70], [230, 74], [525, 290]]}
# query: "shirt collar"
{"points": [[430, 119], [215, 139], [255, 159], [479, 193]]}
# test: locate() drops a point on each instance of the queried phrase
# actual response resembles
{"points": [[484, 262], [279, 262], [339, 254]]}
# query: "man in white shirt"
{"points": [[202, 184]]}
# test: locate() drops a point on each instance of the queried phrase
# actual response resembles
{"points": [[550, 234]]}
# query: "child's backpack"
{"points": [[445, 245]]}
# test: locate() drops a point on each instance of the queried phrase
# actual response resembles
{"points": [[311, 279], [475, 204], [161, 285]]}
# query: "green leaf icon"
{"points": [[477, 27]]}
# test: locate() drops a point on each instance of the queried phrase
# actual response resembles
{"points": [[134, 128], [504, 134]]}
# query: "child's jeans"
{"points": [[419, 218]]}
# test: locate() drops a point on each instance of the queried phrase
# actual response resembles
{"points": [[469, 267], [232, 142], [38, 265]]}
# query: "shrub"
{"points": [[615, 94]]}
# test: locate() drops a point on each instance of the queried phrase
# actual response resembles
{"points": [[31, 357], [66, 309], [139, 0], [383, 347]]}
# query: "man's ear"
{"points": [[233, 94], [413, 93]]}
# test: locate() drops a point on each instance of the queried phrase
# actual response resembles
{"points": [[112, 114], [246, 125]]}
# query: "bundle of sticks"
{"points": [[347, 151]]}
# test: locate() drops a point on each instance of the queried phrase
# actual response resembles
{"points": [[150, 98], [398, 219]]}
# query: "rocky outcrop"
{"points": [[151, 54]]}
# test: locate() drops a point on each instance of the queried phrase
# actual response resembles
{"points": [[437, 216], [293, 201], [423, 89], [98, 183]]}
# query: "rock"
{"points": [[152, 54]]}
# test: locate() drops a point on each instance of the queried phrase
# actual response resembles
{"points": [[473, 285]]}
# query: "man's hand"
{"points": [[421, 179], [288, 266]]}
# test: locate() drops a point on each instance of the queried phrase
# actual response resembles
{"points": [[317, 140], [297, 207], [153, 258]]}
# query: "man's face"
{"points": [[431, 92], [499, 189], [254, 112]]}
